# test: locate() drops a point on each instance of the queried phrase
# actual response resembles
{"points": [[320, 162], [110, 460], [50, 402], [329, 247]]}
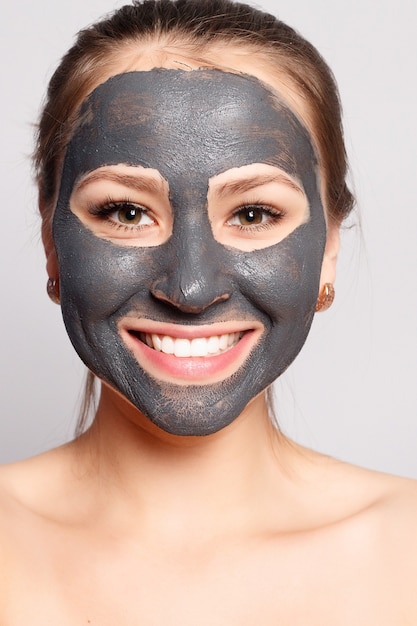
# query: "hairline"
{"points": [[163, 46]]}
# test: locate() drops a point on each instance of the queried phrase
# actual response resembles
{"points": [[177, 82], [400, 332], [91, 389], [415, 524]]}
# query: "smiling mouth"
{"points": [[186, 348], [185, 355]]}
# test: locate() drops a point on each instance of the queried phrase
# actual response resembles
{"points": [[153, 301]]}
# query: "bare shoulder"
{"points": [[380, 530], [392, 499], [28, 491], [367, 524], [396, 515], [25, 489], [399, 496], [388, 501], [393, 540], [29, 484]]}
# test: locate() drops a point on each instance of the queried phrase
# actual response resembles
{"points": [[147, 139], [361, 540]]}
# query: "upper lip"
{"points": [[132, 324]]}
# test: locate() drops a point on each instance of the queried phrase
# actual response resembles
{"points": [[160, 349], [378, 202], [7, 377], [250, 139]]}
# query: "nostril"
{"points": [[187, 302]]}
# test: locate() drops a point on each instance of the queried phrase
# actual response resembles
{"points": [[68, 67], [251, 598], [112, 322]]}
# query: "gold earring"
{"points": [[52, 288], [325, 298]]}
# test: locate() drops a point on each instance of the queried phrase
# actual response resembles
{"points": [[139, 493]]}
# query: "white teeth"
{"points": [[201, 346], [154, 341], [213, 346], [167, 345], [182, 347], [224, 340]]}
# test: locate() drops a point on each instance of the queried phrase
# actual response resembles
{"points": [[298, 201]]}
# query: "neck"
{"points": [[194, 480]]}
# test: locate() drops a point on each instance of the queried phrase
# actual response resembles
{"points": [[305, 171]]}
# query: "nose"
{"points": [[196, 277]]}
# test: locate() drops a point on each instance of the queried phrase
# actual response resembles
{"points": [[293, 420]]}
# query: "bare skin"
{"points": [[130, 525]]}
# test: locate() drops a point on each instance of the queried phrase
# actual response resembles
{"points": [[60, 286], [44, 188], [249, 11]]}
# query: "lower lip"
{"points": [[203, 370]]}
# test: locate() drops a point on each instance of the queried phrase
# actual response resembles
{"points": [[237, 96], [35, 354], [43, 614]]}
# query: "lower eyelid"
{"points": [[255, 228], [126, 227]]}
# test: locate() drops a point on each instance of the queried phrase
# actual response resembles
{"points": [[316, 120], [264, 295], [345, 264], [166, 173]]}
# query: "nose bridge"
{"points": [[195, 276]]}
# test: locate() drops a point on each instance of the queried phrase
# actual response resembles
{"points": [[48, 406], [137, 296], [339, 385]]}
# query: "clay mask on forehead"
{"points": [[190, 127]]}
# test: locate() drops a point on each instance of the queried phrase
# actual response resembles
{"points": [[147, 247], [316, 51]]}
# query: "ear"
{"points": [[331, 251]]}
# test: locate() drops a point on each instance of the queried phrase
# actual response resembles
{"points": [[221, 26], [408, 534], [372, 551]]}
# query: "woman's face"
{"points": [[190, 232]]}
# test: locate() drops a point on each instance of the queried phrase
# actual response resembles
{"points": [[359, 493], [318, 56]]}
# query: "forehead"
{"points": [[201, 122]]}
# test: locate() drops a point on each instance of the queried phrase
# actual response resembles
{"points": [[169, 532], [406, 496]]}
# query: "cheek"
{"points": [[282, 280], [96, 276]]}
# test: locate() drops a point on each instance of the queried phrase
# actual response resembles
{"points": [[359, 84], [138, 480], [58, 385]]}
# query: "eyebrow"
{"points": [[246, 184], [138, 183]]}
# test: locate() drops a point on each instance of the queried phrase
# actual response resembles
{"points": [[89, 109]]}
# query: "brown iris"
{"points": [[130, 214], [250, 215]]}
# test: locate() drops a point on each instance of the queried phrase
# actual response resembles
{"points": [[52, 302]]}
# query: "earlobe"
{"points": [[328, 269], [52, 285], [326, 297], [52, 289]]}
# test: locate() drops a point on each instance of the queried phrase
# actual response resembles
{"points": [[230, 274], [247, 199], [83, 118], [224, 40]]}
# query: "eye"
{"points": [[254, 215], [248, 215], [126, 205], [123, 213], [129, 214]]}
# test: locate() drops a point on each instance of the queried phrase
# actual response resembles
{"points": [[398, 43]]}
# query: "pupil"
{"points": [[130, 214], [251, 216]]}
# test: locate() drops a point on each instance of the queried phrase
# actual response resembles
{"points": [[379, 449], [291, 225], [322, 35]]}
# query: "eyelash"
{"points": [[109, 206], [274, 216]]}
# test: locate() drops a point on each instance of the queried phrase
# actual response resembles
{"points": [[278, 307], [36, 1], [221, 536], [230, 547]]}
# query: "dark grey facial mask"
{"points": [[190, 126]]}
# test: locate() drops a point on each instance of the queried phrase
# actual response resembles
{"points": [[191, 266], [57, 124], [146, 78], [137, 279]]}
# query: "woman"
{"points": [[192, 185]]}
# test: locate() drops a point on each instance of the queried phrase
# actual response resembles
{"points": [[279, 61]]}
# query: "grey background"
{"points": [[352, 392]]}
